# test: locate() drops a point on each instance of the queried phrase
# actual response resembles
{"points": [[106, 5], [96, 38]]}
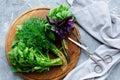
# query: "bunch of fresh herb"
{"points": [[62, 22], [60, 13], [30, 51]]}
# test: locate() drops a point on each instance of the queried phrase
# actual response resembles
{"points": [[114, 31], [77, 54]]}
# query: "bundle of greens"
{"points": [[62, 20], [30, 51], [35, 40]]}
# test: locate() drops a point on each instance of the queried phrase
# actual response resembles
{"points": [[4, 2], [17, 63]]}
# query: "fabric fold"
{"points": [[95, 18], [86, 69]]}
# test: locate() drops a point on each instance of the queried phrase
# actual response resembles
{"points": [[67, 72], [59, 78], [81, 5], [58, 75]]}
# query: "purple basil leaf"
{"points": [[62, 28], [50, 21]]}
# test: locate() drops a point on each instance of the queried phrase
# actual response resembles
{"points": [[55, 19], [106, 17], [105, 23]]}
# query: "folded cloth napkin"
{"points": [[95, 18]]}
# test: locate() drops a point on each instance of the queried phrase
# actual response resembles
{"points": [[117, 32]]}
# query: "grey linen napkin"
{"points": [[95, 18]]}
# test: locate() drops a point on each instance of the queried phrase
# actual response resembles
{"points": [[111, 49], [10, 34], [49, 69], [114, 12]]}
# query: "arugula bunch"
{"points": [[30, 51]]}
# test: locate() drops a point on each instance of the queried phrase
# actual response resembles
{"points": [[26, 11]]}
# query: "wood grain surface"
{"points": [[55, 73]]}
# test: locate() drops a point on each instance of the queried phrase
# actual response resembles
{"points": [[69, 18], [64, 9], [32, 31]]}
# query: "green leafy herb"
{"points": [[62, 20], [30, 52], [60, 13]]}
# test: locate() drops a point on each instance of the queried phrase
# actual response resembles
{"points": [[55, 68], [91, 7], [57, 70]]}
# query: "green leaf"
{"points": [[30, 51], [59, 16], [51, 35], [60, 13]]}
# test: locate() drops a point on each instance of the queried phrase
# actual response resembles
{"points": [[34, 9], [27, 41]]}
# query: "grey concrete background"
{"points": [[11, 9]]}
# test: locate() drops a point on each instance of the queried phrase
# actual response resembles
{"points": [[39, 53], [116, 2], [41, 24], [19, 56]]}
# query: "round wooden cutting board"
{"points": [[55, 73]]}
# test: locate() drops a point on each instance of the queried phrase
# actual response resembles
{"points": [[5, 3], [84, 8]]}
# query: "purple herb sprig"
{"points": [[62, 28]]}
